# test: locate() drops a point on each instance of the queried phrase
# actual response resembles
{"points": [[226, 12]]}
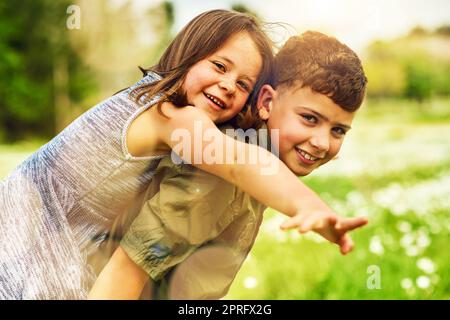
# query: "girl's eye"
{"points": [[340, 131], [220, 66], [309, 118], [244, 86]]}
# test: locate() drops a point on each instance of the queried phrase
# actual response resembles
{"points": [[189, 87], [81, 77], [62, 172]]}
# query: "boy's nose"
{"points": [[321, 142]]}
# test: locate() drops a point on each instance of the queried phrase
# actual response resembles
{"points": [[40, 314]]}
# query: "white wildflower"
{"points": [[407, 283], [423, 240], [421, 198], [404, 226], [407, 240], [376, 246], [250, 282], [426, 265], [412, 251], [423, 282]]}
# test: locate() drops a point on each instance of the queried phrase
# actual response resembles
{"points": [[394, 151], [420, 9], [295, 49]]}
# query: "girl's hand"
{"points": [[328, 225]]}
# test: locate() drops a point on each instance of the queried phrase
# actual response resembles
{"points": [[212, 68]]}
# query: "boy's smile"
{"points": [[311, 126]]}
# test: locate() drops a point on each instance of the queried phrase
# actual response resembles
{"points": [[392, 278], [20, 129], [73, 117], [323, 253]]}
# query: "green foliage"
{"points": [[240, 7], [33, 36], [163, 19], [416, 66], [419, 84], [443, 30]]}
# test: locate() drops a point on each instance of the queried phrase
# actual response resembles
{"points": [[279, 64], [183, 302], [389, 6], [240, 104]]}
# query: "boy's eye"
{"points": [[339, 131], [309, 118], [220, 66]]}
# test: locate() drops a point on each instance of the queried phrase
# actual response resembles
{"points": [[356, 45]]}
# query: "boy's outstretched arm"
{"points": [[121, 279]]}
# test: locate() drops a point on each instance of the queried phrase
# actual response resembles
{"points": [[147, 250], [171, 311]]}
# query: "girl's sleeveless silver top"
{"points": [[58, 205]]}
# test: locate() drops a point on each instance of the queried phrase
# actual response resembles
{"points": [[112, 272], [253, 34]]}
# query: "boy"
{"points": [[318, 85]]}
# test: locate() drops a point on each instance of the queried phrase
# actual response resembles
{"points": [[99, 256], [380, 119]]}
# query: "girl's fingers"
{"points": [[308, 224], [317, 222], [293, 222], [346, 244], [322, 224], [332, 221], [349, 224]]}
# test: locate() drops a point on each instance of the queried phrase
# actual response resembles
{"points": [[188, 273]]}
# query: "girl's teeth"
{"points": [[215, 100]]}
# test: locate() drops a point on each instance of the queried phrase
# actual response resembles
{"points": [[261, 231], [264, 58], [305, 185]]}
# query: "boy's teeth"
{"points": [[215, 100]]}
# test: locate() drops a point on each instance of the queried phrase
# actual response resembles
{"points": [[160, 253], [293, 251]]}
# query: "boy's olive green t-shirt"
{"points": [[197, 222]]}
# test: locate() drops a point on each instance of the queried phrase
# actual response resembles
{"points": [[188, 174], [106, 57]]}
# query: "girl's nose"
{"points": [[228, 86]]}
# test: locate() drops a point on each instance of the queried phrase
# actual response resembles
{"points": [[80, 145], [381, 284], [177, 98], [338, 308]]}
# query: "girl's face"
{"points": [[221, 83]]}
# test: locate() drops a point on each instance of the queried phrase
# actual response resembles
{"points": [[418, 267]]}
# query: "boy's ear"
{"points": [[265, 101]]}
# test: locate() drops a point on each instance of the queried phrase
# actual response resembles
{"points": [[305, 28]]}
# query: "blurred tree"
{"points": [[163, 18], [36, 60], [415, 66], [443, 30], [419, 84], [240, 7], [386, 75], [117, 37], [418, 31]]}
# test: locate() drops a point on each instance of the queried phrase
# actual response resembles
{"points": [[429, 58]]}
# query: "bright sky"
{"points": [[355, 22]]}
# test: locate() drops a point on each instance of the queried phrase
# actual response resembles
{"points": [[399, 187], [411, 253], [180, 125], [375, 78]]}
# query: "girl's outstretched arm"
{"points": [[281, 190]]}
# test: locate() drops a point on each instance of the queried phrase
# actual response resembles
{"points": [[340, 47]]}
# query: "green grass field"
{"points": [[394, 168]]}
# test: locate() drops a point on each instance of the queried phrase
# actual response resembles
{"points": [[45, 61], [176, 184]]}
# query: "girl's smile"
{"points": [[215, 102], [221, 83]]}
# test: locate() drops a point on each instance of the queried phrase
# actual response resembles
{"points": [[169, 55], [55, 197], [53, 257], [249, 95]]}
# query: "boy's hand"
{"points": [[330, 226]]}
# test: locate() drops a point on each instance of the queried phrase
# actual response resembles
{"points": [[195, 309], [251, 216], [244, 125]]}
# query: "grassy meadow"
{"points": [[394, 168]]}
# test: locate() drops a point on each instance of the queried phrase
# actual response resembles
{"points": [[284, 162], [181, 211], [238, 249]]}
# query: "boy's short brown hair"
{"points": [[325, 65]]}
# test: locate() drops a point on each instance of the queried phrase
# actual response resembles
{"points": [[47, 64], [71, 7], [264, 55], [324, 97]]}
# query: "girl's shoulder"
{"points": [[148, 78], [182, 114], [167, 117]]}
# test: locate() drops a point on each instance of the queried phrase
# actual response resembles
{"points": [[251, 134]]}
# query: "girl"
{"points": [[72, 188]]}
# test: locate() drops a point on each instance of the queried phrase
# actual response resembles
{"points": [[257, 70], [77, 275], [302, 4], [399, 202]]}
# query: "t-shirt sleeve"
{"points": [[209, 271], [181, 213]]}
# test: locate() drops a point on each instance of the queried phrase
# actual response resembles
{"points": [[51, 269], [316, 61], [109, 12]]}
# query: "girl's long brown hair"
{"points": [[200, 38]]}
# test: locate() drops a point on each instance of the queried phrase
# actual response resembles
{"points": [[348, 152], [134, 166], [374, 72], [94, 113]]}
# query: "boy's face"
{"points": [[311, 126]]}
